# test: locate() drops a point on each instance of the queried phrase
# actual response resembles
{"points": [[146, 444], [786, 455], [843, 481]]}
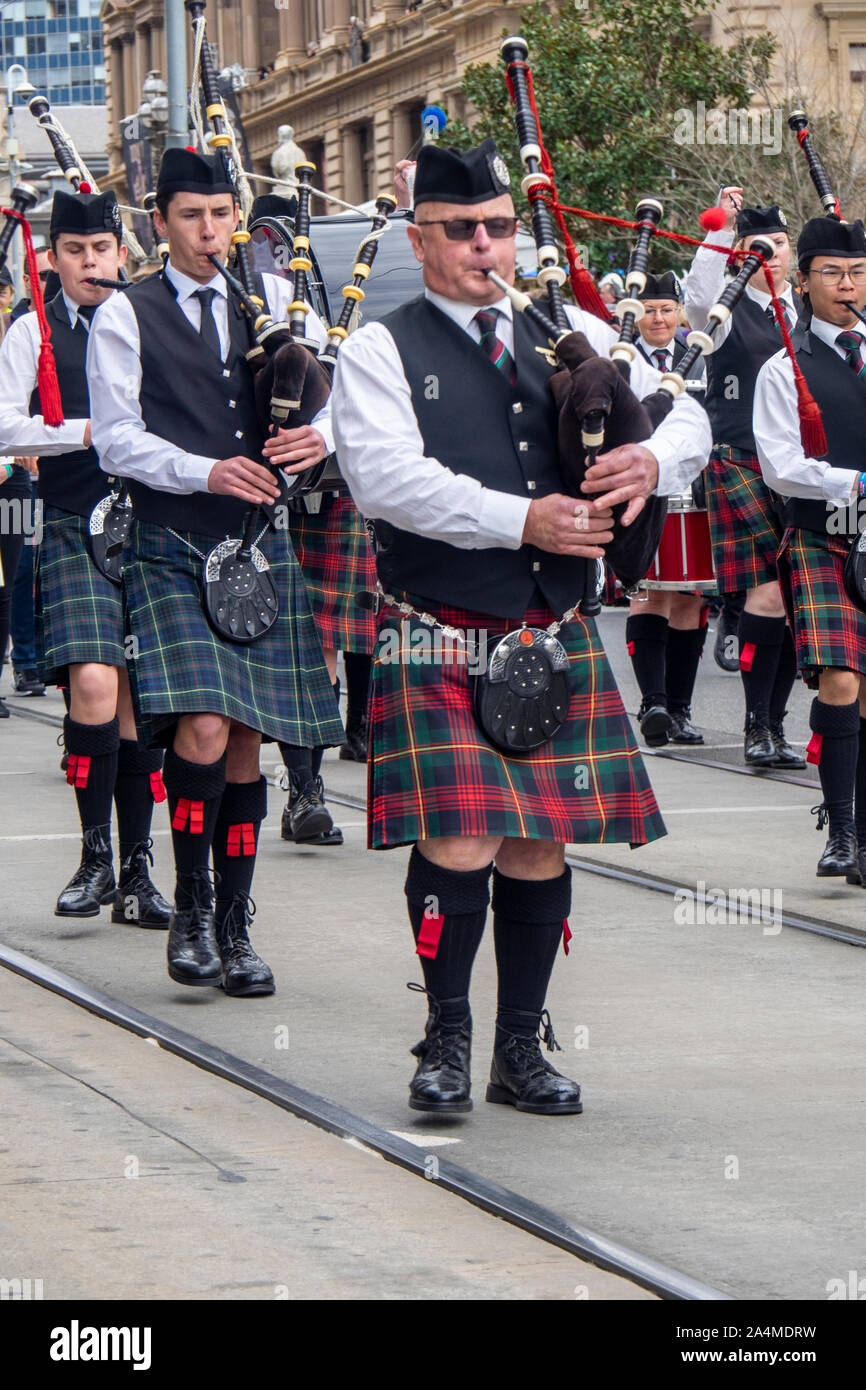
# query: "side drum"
{"points": [[684, 559]]}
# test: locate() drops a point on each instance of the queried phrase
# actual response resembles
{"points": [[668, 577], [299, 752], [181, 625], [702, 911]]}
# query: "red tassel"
{"points": [[157, 788], [713, 219], [428, 937], [566, 934], [181, 814], [196, 818], [629, 646], [812, 436], [70, 768], [77, 770], [46, 373], [813, 748], [249, 837], [747, 656], [241, 840]]}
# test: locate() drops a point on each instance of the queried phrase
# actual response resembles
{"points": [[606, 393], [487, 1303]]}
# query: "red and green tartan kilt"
{"points": [[431, 772], [336, 558], [177, 664], [829, 630], [744, 528], [78, 612]]}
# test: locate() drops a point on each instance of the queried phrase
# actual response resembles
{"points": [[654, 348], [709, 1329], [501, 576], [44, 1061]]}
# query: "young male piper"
{"points": [[446, 433], [744, 524], [823, 497], [665, 631], [175, 415], [79, 611]]}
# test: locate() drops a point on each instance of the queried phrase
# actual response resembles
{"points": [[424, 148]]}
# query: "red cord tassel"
{"points": [[46, 372], [812, 436]]}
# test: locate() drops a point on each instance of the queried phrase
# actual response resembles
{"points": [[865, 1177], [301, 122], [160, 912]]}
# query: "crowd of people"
{"points": [[445, 430]]}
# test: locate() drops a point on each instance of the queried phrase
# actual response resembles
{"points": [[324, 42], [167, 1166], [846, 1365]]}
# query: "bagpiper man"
{"points": [[665, 631], [744, 523], [821, 508], [175, 415], [79, 611], [446, 433]]}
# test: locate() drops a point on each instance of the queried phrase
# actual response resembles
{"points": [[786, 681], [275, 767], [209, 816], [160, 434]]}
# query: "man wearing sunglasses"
{"points": [[446, 432], [823, 504]]}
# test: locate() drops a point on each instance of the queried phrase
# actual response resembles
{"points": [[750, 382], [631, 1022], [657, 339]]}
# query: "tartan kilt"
{"points": [[78, 612], [431, 772], [829, 630], [335, 555], [278, 685], [745, 530]]}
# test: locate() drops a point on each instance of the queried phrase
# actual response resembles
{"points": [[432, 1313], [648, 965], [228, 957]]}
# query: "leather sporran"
{"points": [[854, 573], [521, 701], [108, 528]]}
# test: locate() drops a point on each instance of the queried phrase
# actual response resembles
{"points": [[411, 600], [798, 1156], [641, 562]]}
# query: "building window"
{"points": [[857, 62]]}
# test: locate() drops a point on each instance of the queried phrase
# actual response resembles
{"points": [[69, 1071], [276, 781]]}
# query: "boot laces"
{"points": [[95, 842], [822, 813], [238, 918], [135, 865], [440, 1046]]}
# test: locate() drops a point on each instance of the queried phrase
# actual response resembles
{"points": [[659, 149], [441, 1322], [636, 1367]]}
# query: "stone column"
{"points": [[131, 91], [292, 38]]}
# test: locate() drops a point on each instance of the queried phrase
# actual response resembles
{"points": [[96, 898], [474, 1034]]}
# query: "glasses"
{"points": [[463, 228], [831, 276]]}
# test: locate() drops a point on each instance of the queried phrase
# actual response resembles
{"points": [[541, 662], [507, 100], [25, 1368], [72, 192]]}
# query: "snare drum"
{"points": [[684, 559]]}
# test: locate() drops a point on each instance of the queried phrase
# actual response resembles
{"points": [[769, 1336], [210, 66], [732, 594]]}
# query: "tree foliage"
{"points": [[610, 81]]}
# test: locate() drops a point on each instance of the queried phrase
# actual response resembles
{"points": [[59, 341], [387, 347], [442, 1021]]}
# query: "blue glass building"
{"points": [[59, 42]]}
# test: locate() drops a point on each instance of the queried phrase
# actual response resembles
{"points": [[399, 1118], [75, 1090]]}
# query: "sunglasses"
{"points": [[463, 228]]}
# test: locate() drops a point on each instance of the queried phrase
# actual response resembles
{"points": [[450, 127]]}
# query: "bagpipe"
{"points": [[23, 197], [291, 382], [111, 518], [854, 572]]}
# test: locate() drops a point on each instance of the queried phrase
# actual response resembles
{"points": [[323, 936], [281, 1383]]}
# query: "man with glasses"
{"points": [[823, 502], [446, 431], [744, 523]]}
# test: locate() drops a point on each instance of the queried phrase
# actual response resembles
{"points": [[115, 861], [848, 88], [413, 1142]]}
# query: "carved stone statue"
{"points": [[283, 161]]}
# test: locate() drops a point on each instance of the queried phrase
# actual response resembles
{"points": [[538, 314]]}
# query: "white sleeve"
{"points": [[682, 442], [776, 425], [20, 432], [124, 446], [280, 294], [381, 455], [705, 283]]}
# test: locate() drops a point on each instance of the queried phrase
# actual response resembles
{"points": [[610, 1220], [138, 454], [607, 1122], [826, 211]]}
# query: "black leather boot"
{"points": [[138, 902], [857, 875], [354, 750], [92, 884], [786, 756], [244, 972], [656, 725], [306, 819], [684, 730], [191, 951], [759, 750], [521, 1077], [840, 854], [442, 1078]]}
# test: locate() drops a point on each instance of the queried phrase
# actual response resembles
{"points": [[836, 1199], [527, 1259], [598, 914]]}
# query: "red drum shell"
{"points": [[684, 559]]}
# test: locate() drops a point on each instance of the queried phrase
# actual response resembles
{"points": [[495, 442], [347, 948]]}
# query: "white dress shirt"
{"points": [[776, 426], [21, 433], [381, 451], [706, 280], [124, 446]]}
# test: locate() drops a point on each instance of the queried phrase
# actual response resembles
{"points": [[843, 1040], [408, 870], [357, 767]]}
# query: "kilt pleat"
{"points": [[829, 630], [336, 558], [745, 530], [431, 772], [278, 685], [79, 613]]}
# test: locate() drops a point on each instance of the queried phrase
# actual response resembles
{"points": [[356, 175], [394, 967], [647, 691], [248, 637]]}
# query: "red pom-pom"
{"points": [[713, 219], [84, 187], [191, 149]]}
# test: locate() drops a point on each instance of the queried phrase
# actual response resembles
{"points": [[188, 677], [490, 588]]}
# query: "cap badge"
{"points": [[500, 171]]}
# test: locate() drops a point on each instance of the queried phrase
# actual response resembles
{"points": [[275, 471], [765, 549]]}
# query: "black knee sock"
{"points": [[646, 636], [529, 918], [138, 785], [92, 771], [786, 674], [358, 667], [242, 809], [304, 764], [447, 910], [860, 789], [195, 791], [760, 648], [681, 671], [835, 746]]}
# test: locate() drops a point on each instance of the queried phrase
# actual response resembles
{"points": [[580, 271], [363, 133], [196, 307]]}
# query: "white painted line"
{"points": [[729, 810], [423, 1141]]}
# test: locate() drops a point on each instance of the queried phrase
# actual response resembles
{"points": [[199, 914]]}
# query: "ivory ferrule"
{"points": [[703, 340]]}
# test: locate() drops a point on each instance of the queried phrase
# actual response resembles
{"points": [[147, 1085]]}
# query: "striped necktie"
{"points": [[493, 347], [852, 345], [661, 357]]}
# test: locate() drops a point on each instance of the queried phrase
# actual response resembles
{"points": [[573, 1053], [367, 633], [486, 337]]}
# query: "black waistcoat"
{"points": [[195, 401], [841, 398], [474, 423], [732, 371], [73, 481]]}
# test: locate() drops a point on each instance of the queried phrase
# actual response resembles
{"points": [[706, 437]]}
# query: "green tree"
{"points": [[611, 84]]}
